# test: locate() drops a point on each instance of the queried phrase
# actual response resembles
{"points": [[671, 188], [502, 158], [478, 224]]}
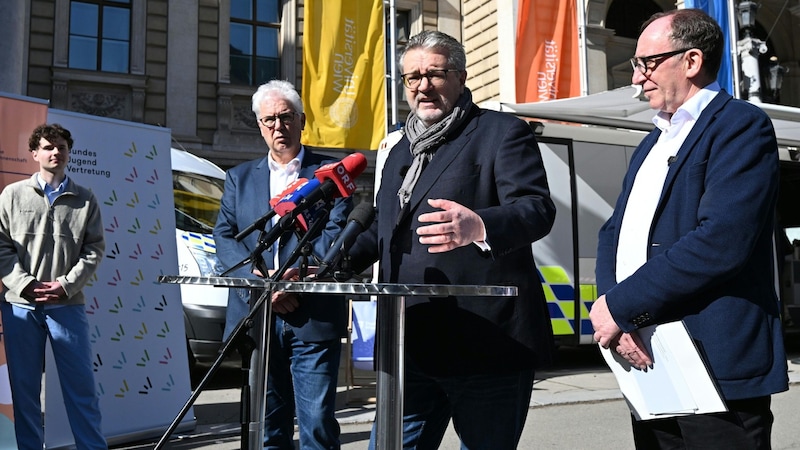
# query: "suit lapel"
{"points": [[707, 117], [443, 158]]}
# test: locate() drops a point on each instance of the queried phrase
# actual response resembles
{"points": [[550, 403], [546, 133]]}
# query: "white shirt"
{"points": [[637, 220], [281, 177]]}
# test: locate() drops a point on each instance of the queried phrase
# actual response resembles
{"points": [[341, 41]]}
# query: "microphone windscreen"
{"points": [[355, 163], [363, 214]]}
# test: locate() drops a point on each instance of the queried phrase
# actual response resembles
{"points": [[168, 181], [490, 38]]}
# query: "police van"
{"points": [[586, 144], [197, 186]]}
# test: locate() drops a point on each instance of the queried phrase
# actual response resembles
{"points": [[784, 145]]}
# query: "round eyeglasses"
{"points": [[285, 118], [435, 77]]}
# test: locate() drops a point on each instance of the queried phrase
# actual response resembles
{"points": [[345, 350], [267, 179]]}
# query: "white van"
{"points": [[197, 185], [586, 143]]}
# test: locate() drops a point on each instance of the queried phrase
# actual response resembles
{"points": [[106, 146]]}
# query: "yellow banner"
{"points": [[344, 74]]}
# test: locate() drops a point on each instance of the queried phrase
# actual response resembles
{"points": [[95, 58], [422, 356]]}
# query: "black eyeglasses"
{"points": [[645, 64], [435, 77], [285, 118]]}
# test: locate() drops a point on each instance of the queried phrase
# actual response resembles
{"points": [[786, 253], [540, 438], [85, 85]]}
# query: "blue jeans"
{"points": [[488, 411], [25, 332], [301, 381]]}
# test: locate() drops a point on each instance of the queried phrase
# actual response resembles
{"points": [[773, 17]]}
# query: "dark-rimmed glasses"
{"points": [[645, 64], [435, 77], [285, 118]]}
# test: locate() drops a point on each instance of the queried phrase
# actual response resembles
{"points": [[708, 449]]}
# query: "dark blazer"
{"points": [[710, 256], [245, 200], [493, 166]]}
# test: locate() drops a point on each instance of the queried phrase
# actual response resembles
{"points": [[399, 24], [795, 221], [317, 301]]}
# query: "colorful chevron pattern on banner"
{"points": [[136, 324]]}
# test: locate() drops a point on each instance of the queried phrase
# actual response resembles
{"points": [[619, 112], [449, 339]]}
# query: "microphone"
{"points": [[293, 186], [343, 172], [289, 202], [336, 181], [261, 221], [359, 220], [330, 181]]}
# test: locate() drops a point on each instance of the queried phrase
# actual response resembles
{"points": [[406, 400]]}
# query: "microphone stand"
{"points": [[303, 249]]}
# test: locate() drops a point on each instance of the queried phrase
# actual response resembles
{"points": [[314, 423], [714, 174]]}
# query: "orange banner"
{"points": [[18, 118], [547, 63]]}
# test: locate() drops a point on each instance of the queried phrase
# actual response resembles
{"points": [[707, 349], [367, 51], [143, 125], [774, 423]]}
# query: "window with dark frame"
{"points": [[100, 35], [255, 41]]}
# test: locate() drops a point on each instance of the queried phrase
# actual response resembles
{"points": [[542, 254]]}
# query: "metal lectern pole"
{"points": [[391, 371], [259, 364]]}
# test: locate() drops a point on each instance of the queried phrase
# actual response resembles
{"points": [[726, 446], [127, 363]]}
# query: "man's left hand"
{"points": [[452, 227], [605, 329]]}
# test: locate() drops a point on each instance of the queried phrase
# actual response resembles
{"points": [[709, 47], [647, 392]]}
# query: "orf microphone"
{"points": [[342, 173], [359, 220], [330, 181]]}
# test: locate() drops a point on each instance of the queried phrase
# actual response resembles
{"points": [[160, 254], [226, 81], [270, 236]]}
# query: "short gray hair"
{"points": [[428, 40], [278, 89]]}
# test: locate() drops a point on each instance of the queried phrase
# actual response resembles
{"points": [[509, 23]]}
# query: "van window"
{"points": [[197, 201]]}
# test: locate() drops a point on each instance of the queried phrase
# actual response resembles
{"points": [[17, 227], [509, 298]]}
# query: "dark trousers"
{"points": [[747, 425]]}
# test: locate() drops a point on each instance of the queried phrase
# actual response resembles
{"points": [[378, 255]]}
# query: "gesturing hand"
{"points": [[452, 227]]}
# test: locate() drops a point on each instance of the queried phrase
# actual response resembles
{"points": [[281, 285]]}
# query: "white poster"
{"points": [[137, 328]]}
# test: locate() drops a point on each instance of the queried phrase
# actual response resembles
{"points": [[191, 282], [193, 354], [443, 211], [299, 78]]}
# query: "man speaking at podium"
{"points": [[306, 332], [463, 195]]}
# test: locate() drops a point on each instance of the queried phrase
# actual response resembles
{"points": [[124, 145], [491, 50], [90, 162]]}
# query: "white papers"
{"points": [[677, 384]]}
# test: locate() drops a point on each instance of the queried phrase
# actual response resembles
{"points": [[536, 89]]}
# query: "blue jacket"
{"points": [[710, 256], [245, 200]]}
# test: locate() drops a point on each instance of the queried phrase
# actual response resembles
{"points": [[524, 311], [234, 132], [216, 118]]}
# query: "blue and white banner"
{"points": [[718, 9]]}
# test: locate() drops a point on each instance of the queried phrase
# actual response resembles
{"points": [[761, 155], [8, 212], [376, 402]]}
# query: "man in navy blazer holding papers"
{"points": [[691, 237]]}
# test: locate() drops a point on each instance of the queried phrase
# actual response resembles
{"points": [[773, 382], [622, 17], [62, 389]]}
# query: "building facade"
{"points": [[192, 65]]}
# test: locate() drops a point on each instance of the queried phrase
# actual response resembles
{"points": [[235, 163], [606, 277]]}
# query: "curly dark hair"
{"points": [[49, 132]]}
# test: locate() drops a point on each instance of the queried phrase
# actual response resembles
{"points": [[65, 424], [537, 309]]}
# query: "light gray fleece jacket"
{"points": [[63, 241]]}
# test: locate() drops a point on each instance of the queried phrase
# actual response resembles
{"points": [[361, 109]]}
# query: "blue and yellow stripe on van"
{"points": [[560, 295], [204, 242]]}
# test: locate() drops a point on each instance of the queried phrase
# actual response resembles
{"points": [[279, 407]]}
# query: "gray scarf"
{"points": [[425, 141]]}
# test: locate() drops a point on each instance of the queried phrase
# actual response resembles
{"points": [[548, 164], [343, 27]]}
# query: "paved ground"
{"points": [[571, 408]]}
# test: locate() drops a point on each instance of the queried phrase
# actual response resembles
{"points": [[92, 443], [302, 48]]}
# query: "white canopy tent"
{"points": [[624, 108]]}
